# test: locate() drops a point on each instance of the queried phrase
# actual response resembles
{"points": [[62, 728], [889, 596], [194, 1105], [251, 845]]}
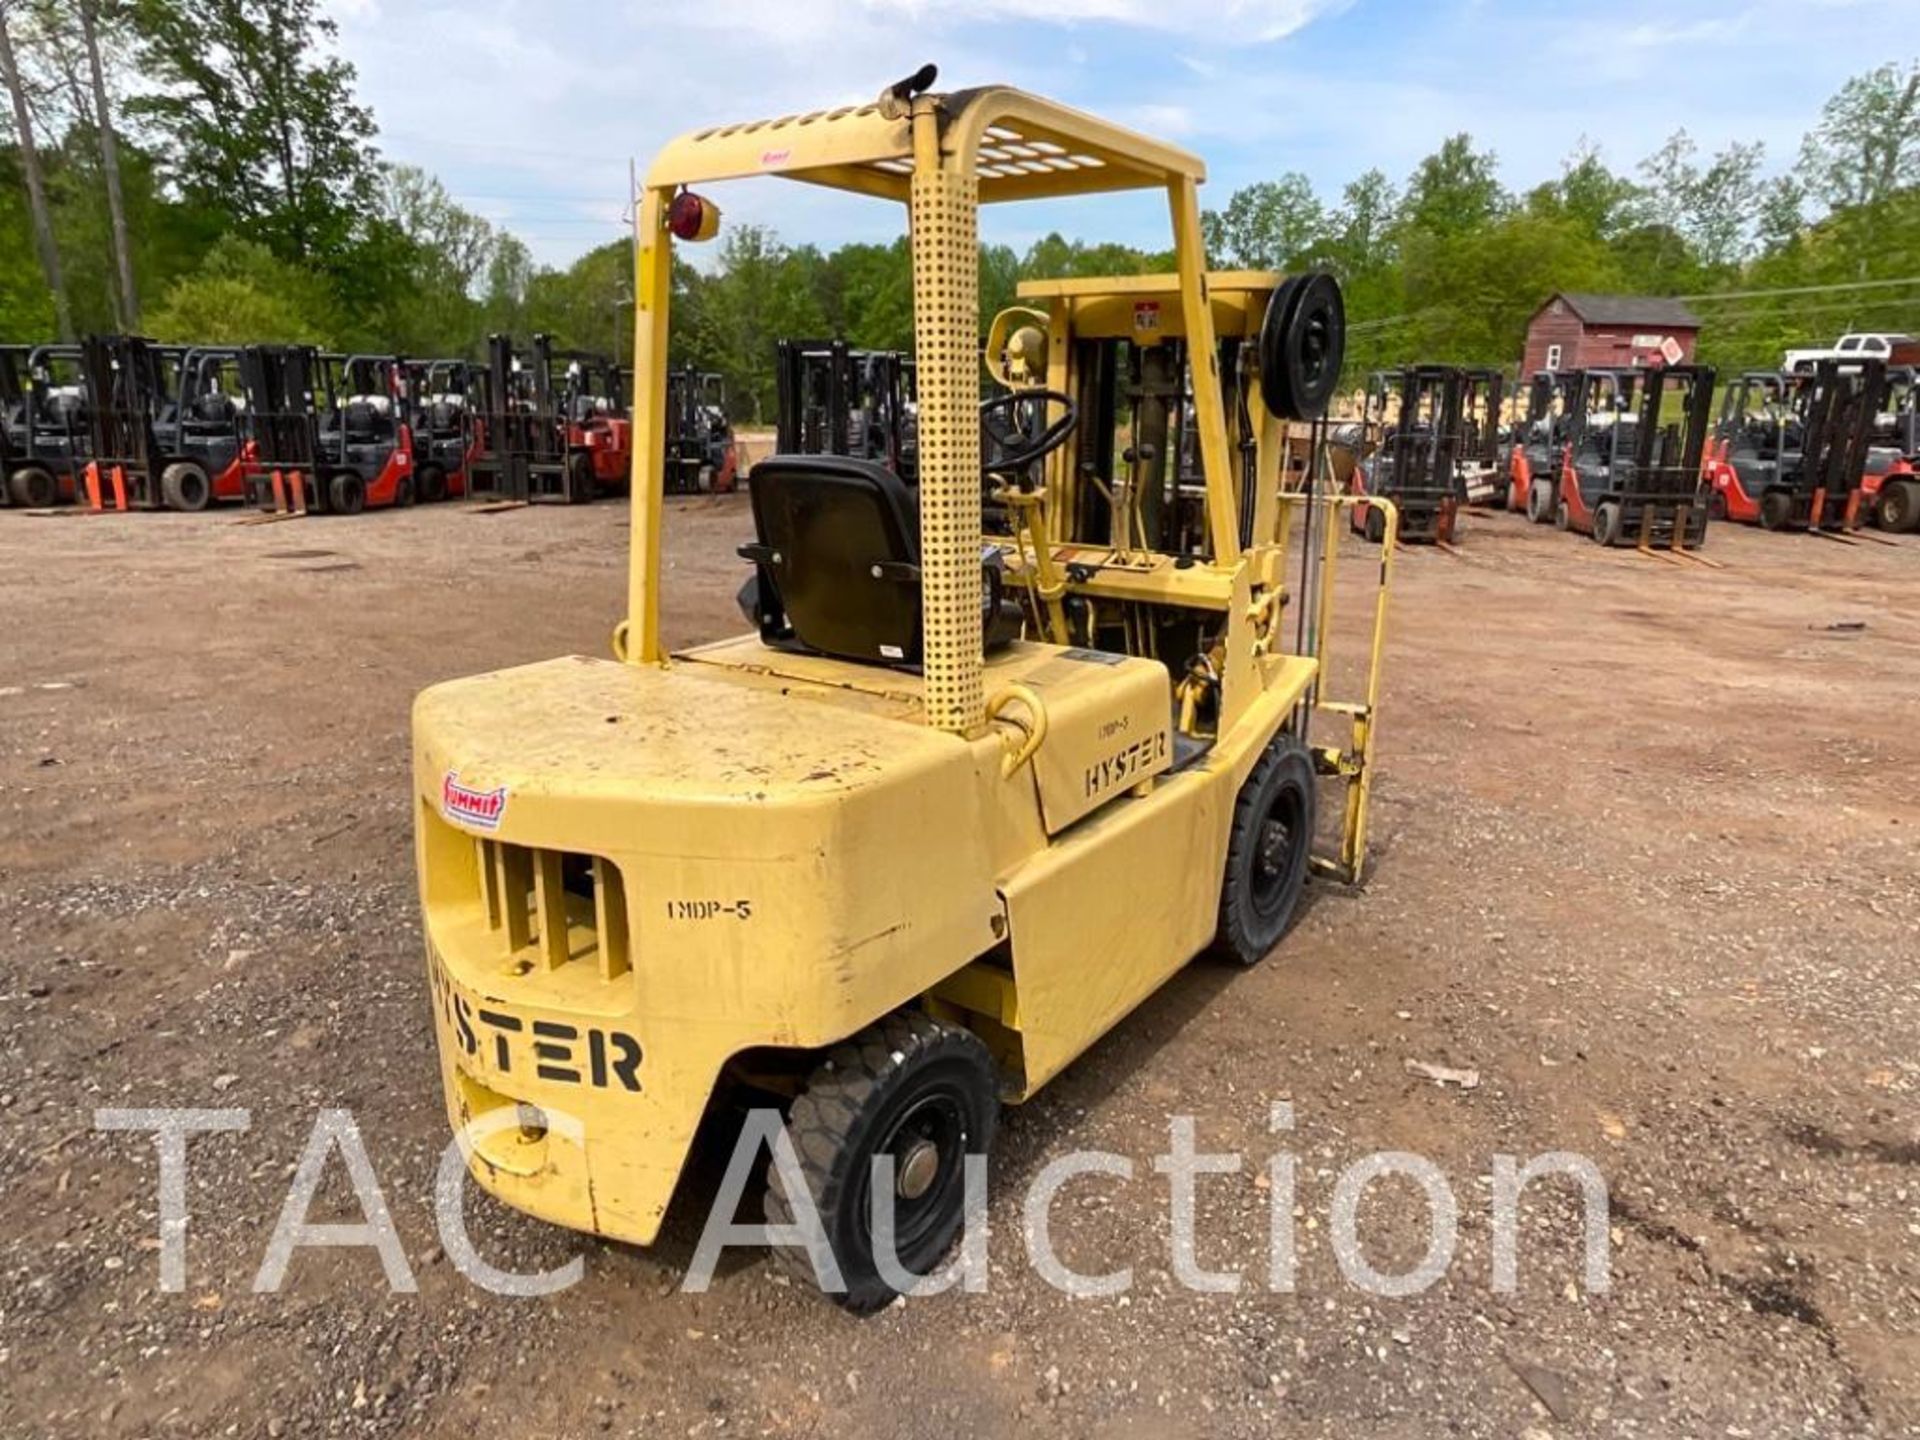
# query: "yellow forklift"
{"points": [[965, 799]]}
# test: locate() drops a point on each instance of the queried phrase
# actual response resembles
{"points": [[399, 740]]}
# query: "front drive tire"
{"points": [[1899, 506], [1267, 853], [1606, 523], [185, 486], [920, 1090], [33, 487], [347, 494]]}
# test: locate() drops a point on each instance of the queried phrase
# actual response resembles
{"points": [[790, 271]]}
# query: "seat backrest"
{"points": [[839, 538]]}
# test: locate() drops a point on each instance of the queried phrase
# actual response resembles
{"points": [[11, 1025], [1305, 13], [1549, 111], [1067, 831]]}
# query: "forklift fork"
{"points": [[117, 475], [289, 499]]}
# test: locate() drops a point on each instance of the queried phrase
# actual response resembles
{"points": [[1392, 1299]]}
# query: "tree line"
{"points": [[206, 171]]}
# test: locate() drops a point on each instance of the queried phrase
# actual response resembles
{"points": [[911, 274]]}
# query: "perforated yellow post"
{"points": [[946, 340]]}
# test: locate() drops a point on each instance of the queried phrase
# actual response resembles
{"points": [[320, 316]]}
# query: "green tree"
{"points": [[260, 119], [1454, 190], [1867, 142], [244, 293], [1267, 226]]}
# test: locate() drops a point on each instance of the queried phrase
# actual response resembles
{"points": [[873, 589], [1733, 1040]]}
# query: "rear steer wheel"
{"points": [[347, 495], [33, 487], [1267, 852], [1376, 526], [1607, 519], [1899, 506], [1539, 503], [185, 486], [911, 1088], [432, 484], [1562, 517], [1776, 510]]}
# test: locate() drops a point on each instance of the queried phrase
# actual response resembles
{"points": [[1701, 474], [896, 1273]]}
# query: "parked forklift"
{"points": [[164, 427], [442, 406], [1792, 451], [1760, 433], [43, 425], [838, 400], [1535, 460], [1481, 457], [700, 453], [1891, 484], [366, 436], [1416, 413], [555, 424], [1632, 469], [341, 438], [281, 423], [898, 856]]}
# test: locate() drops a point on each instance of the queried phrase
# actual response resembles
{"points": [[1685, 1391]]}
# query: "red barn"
{"points": [[1581, 332]]}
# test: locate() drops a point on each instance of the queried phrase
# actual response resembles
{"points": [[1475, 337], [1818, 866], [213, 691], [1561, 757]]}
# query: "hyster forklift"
{"points": [[1632, 473], [1416, 414], [43, 425], [700, 453], [958, 806]]}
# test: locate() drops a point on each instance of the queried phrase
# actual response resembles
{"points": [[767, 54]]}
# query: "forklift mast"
{"points": [[1843, 401]]}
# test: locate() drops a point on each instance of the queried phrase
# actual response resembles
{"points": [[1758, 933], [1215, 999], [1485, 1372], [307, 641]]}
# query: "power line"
{"points": [[1391, 322], [1799, 290]]}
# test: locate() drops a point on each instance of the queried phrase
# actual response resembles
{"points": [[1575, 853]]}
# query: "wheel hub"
{"points": [[918, 1168]]}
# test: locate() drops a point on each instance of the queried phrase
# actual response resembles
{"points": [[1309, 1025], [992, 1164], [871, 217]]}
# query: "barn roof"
{"points": [[1653, 311]]}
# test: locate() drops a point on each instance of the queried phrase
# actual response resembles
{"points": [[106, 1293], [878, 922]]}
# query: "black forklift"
{"points": [[281, 423], [554, 424], [1416, 414], [329, 434], [43, 425], [1892, 479], [1540, 442], [837, 400], [1795, 451], [164, 424], [1633, 474], [442, 405], [1481, 456], [700, 453]]}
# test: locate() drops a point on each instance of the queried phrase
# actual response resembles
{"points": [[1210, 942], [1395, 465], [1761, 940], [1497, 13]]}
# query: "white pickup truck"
{"points": [[1894, 349]]}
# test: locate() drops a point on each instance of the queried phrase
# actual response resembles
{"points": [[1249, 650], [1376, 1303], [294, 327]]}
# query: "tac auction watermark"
{"points": [[1176, 1176]]}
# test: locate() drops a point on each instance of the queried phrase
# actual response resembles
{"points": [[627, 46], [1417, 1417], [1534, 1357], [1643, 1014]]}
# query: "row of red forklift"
{"points": [[1634, 456], [119, 422]]}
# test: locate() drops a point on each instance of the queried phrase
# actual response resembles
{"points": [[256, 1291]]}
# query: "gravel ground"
{"points": [[1644, 860]]}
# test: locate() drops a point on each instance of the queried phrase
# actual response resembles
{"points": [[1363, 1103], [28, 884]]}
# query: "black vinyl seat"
{"points": [[838, 562]]}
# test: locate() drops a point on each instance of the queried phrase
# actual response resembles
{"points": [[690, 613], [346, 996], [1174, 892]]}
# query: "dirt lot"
{"points": [[1645, 857]]}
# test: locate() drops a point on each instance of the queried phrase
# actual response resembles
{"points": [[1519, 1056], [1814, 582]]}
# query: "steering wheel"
{"points": [[1007, 425]]}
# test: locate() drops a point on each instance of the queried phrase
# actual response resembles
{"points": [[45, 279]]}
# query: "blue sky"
{"points": [[529, 110]]}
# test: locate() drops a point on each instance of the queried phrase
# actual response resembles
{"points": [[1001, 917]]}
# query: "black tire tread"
{"points": [[855, 1077], [1230, 938]]}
